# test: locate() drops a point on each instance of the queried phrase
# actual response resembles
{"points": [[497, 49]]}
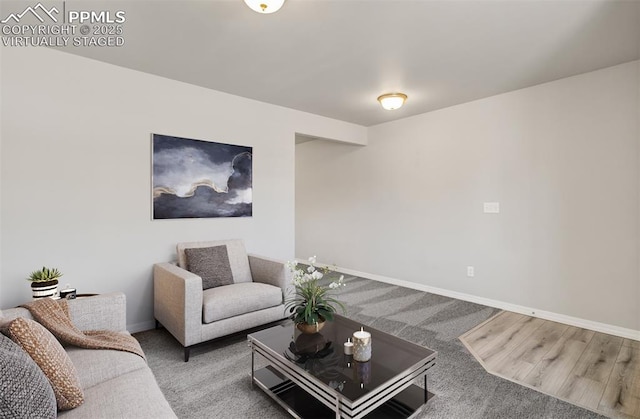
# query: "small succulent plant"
{"points": [[44, 275]]}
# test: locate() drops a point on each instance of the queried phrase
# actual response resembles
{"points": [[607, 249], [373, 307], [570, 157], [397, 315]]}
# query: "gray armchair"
{"points": [[193, 315]]}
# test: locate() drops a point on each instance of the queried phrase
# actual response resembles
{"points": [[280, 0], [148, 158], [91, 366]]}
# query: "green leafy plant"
{"points": [[310, 301], [44, 275]]}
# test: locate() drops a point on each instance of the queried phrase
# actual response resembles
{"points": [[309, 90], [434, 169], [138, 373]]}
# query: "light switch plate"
{"points": [[491, 207]]}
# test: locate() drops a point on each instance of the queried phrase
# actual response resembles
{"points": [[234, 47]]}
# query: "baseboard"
{"points": [[141, 327], [547, 315]]}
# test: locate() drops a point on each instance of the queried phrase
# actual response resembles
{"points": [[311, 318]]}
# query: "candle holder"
{"points": [[68, 293], [361, 345]]}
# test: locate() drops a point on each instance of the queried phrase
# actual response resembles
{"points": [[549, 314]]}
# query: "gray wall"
{"points": [[562, 160], [76, 172]]}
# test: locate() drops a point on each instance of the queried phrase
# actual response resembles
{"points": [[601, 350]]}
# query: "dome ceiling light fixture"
{"points": [[265, 6], [391, 101]]}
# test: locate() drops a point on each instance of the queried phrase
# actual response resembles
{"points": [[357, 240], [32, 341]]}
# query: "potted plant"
{"points": [[44, 282], [311, 303]]}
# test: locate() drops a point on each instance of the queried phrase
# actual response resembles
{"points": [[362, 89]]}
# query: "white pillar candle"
{"points": [[361, 345], [348, 347]]}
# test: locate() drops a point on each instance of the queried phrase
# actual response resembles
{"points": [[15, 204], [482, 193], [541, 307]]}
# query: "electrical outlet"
{"points": [[491, 207], [470, 271]]}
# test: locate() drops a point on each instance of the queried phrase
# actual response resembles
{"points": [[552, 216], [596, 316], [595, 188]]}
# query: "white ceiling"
{"points": [[333, 58]]}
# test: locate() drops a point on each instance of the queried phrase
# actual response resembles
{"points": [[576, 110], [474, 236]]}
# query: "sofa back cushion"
{"points": [[211, 264], [13, 313], [25, 391], [238, 259]]}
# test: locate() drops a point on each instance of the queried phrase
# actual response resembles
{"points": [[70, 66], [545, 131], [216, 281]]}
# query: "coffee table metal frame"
{"points": [[333, 399]]}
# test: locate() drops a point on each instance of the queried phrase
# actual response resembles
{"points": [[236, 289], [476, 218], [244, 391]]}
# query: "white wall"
{"points": [[1, 171], [76, 172], [562, 160]]}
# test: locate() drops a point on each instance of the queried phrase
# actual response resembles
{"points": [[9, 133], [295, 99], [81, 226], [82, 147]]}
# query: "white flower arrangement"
{"points": [[311, 302]]}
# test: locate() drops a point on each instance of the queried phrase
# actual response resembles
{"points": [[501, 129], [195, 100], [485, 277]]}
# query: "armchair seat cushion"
{"points": [[236, 299]]}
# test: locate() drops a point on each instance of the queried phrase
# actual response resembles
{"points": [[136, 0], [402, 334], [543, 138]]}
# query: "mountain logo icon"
{"points": [[38, 11]]}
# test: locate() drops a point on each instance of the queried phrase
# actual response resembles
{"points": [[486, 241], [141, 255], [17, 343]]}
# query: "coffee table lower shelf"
{"points": [[301, 404]]}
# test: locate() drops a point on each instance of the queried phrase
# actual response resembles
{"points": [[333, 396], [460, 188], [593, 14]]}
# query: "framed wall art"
{"points": [[200, 179]]}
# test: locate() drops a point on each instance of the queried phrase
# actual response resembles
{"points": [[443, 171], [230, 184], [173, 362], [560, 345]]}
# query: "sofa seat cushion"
{"points": [[132, 395], [232, 300], [95, 366]]}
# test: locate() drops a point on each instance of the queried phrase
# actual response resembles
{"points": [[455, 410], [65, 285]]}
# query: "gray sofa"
{"points": [[193, 315], [116, 384]]}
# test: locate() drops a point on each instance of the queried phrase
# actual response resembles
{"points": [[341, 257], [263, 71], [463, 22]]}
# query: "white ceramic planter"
{"points": [[47, 289]]}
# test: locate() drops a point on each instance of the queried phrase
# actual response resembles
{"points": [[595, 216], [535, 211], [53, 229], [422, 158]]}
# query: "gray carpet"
{"points": [[215, 383]]}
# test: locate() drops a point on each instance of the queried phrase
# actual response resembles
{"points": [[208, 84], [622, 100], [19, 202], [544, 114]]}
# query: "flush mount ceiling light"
{"points": [[265, 6], [391, 101]]}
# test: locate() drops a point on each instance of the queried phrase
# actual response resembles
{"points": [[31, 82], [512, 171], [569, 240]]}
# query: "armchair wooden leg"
{"points": [[186, 353], [158, 325]]}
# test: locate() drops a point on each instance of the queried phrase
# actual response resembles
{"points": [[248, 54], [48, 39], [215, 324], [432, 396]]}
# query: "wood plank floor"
{"points": [[593, 370]]}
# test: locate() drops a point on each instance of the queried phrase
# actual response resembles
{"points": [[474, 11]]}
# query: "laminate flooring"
{"points": [[593, 370]]}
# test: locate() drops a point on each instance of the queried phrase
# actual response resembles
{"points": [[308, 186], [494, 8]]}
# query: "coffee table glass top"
{"points": [[322, 355]]}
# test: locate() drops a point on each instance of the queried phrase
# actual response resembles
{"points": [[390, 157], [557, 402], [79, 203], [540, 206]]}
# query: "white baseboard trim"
{"points": [[529, 311], [141, 327]]}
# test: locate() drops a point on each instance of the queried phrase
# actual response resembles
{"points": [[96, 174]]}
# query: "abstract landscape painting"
{"points": [[200, 179]]}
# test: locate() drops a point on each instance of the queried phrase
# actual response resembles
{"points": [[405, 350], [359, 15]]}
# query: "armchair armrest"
{"points": [[269, 271], [100, 312], [177, 302]]}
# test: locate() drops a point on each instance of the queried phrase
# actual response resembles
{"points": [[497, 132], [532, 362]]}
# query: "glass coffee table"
{"points": [[311, 377]]}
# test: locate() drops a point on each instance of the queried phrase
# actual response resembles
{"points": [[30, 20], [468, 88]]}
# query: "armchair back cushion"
{"points": [[211, 264], [237, 254]]}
